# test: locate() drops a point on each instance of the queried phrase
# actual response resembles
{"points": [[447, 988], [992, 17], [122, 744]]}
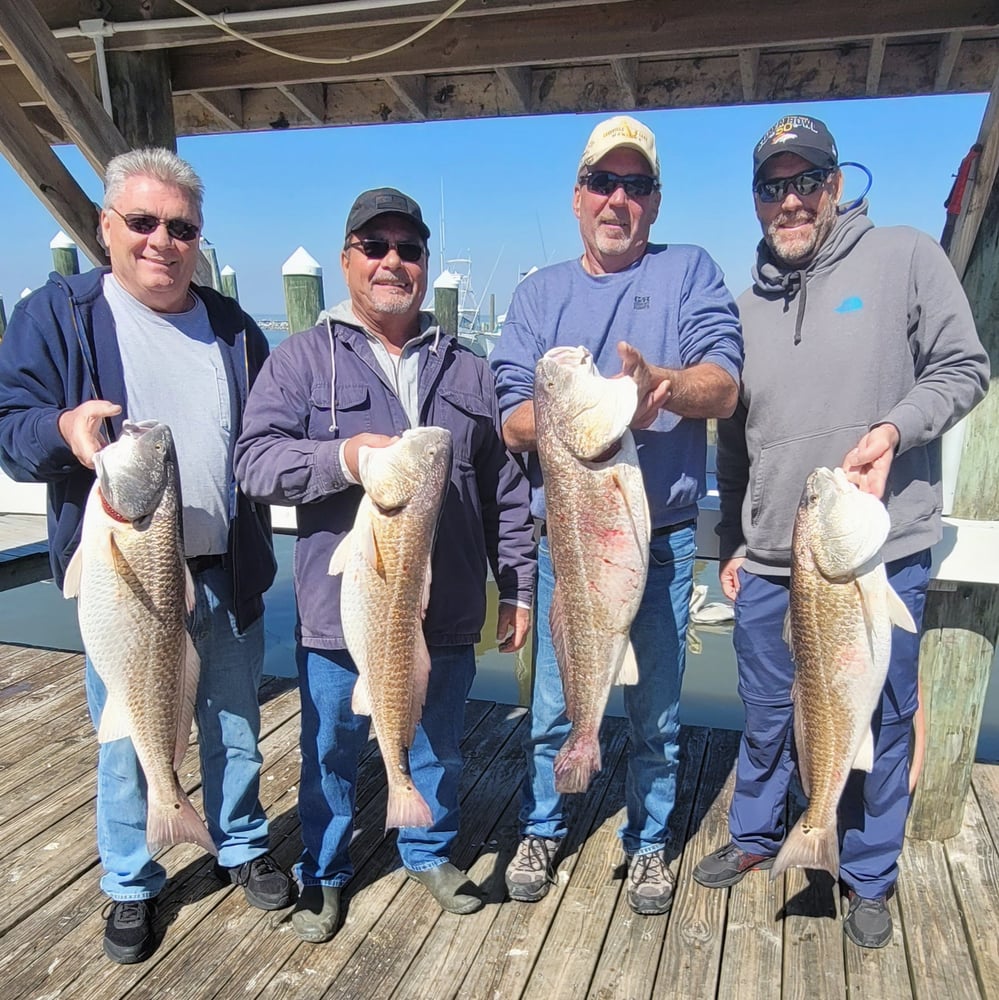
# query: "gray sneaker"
{"points": [[531, 872], [868, 922], [650, 884]]}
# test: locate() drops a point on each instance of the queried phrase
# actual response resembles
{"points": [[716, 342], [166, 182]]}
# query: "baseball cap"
{"points": [[382, 201], [614, 133], [806, 137]]}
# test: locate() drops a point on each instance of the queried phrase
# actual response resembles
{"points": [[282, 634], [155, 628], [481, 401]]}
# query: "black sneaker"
{"points": [[265, 885], [729, 865], [868, 922], [530, 872], [128, 936]]}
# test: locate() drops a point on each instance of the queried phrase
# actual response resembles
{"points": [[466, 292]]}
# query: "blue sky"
{"points": [[507, 186]]}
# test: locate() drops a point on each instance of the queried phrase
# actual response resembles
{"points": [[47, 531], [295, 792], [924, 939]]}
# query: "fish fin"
{"points": [[119, 563], [576, 763], [638, 519], [190, 672], [360, 701], [176, 822], [338, 561], [809, 847], [627, 670], [560, 644], [786, 634], [115, 722], [421, 678], [864, 759], [425, 599], [188, 588], [74, 571], [801, 743], [898, 612], [406, 807]]}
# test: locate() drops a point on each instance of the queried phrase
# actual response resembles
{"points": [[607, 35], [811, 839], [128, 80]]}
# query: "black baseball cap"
{"points": [[800, 134], [383, 201]]}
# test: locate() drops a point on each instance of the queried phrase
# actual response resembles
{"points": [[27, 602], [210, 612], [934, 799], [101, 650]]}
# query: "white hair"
{"points": [[160, 164]]}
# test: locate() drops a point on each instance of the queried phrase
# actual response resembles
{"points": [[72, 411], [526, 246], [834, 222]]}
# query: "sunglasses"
{"points": [[804, 184], [604, 183], [178, 229], [377, 249]]}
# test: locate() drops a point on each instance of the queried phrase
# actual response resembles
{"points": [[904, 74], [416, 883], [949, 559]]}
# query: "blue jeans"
{"points": [[332, 740], [874, 806], [658, 635], [228, 716]]}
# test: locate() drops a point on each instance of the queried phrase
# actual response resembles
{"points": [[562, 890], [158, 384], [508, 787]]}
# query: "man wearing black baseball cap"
{"points": [[864, 372], [373, 367]]}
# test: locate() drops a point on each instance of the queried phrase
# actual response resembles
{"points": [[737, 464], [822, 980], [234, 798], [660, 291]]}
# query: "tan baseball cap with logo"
{"points": [[615, 133]]}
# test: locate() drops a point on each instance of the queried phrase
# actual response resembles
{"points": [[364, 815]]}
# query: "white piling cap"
{"points": [[302, 262], [25, 292], [61, 242], [448, 279], [227, 270]]}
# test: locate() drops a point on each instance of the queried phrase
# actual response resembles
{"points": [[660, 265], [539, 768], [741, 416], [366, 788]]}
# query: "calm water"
{"points": [[38, 615]]}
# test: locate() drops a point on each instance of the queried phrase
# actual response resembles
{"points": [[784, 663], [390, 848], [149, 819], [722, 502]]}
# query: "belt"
{"points": [[198, 564], [667, 529]]}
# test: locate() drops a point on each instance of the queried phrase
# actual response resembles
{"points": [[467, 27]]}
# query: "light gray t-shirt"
{"points": [[174, 373]]}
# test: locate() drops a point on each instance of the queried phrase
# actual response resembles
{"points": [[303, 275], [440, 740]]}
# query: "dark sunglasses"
{"points": [[178, 229], [604, 183], [377, 249], [804, 184]]}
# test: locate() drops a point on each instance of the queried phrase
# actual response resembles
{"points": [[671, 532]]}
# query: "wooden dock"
{"points": [[759, 939]]}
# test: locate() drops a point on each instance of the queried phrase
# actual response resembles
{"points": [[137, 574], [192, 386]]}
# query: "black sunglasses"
{"points": [[377, 249], [604, 183], [178, 229], [804, 184]]}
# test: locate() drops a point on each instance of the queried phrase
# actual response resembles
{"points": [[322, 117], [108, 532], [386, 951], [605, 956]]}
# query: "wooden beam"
{"points": [[35, 163], [626, 72], [412, 91], [874, 64], [28, 40], [950, 45], [517, 81], [142, 99], [310, 99], [977, 193], [225, 105], [553, 37], [749, 67]]}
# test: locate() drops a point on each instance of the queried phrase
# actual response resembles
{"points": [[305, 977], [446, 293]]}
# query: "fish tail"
{"points": [[576, 763], [176, 822], [406, 807], [811, 847]]}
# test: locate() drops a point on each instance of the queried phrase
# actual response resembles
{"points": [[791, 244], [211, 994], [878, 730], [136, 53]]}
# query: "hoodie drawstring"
{"points": [[329, 333], [800, 317]]}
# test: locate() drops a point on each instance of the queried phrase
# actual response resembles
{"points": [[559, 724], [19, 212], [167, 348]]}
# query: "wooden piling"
{"points": [[303, 290], [65, 258], [446, 301], [961, 626], [209, 254], [228, 279]]}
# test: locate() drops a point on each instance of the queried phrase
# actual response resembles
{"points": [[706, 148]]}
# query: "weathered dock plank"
{"points": [[760, 939]]}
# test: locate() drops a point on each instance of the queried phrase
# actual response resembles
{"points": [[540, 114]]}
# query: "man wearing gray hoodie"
{"points": [[861, 351]]}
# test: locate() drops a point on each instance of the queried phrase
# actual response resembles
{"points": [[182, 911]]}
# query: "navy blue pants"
{"points": [[874, 806]]}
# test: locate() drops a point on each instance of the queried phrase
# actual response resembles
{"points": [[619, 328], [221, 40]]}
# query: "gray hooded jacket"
{"points": [[876, 329]]}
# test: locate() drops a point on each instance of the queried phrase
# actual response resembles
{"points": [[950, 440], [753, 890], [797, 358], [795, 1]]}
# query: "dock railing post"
{"points": [[303, 290], [65, 258], [961, 622], [446, 301], [228, 278]]}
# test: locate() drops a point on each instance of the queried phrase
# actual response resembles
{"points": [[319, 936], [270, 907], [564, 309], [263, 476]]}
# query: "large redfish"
{"points": [[385, 562], [838, 628], [598, 533], [135, 593]]}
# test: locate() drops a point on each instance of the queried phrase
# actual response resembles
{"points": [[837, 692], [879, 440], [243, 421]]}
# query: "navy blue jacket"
{"points": [[289, 453], [60, 350]]}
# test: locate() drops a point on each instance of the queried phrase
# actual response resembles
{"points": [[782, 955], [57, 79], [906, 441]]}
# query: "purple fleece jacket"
{"points": [[289, 450]]}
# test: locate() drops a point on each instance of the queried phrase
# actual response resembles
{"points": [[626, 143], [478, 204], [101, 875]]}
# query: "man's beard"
{"points": [[797, 248], [392, 304]]}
